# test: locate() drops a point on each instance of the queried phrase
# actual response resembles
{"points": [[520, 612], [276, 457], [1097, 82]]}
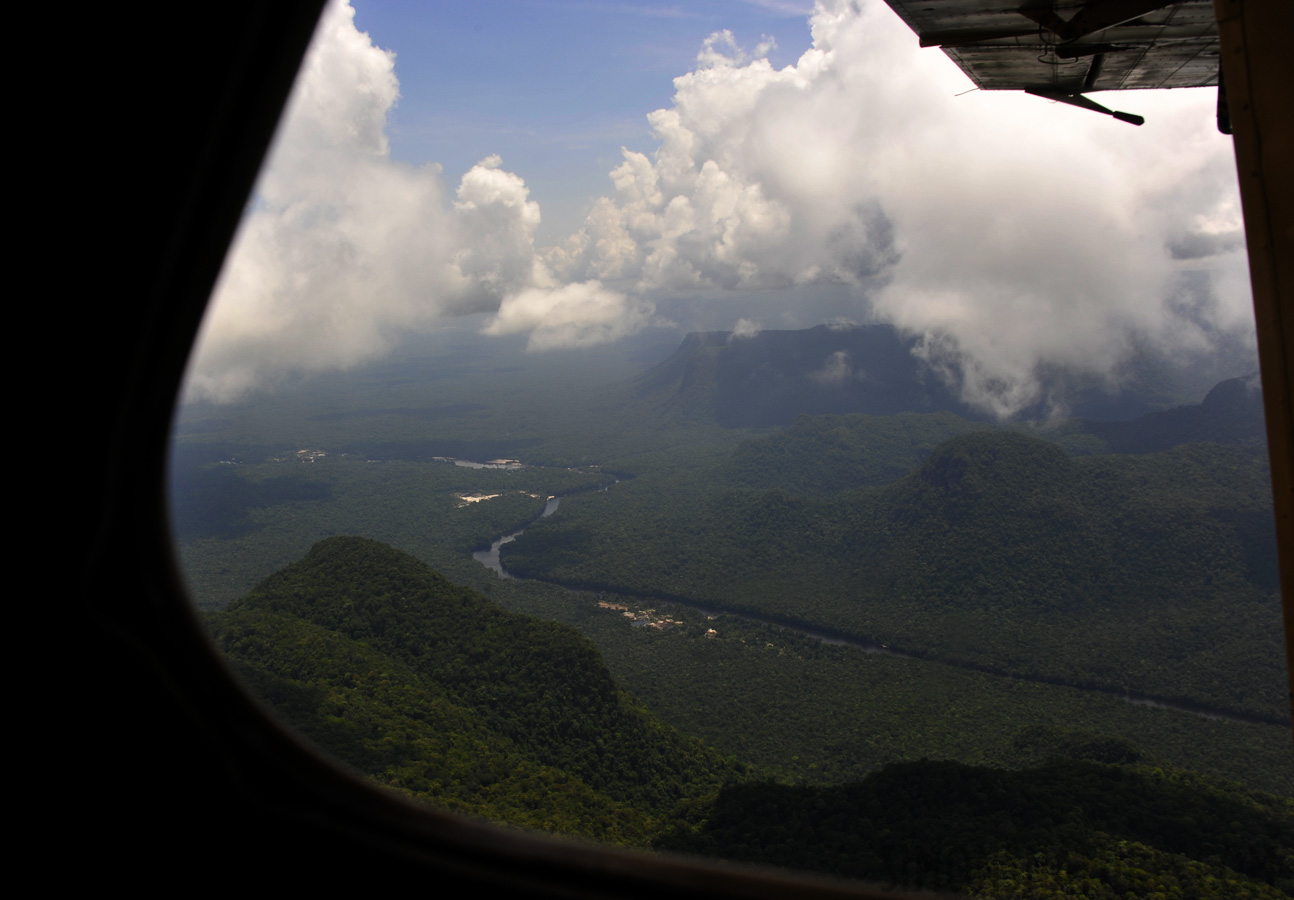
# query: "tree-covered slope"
{"points": [[430, 688], [376, 715], [821, 713], [1151, 573], [1068, 828]]}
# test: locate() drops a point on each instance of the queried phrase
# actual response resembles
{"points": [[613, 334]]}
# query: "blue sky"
{"points": [[554, 87]]}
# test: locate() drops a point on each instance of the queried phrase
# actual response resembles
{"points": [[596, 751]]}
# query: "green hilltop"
{"points": [[430, 688]]}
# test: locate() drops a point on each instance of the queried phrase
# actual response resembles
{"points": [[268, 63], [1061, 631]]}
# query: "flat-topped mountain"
{"points": [[1231, 413], [772, 377]]}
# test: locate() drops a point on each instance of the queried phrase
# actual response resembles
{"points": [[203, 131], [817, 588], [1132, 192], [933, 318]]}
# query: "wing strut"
{"points": [[1084, 102]]}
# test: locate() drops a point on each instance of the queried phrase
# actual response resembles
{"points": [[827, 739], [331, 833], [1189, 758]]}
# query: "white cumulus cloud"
{"points": [[571, 315], [1009, 232], [835, 371], [345, 249]]}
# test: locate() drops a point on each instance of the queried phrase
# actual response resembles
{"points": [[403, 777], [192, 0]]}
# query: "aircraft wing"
{"points": [[1066, 48]]}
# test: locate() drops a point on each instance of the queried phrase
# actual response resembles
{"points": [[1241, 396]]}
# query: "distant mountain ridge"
{"points": [[819, 456], [1231, 413], [772, 377]]}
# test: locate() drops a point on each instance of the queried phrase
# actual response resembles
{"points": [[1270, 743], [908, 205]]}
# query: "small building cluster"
{"points": [[505, 464], [465, 499], [461, 500], [643, 617]]}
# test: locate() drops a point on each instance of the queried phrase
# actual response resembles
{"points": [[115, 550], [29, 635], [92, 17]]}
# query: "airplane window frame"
{"points": [[215, 785], [220, 787]]}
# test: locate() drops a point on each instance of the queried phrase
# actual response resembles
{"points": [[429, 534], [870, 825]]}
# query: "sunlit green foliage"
{"points": [[433, 690]]}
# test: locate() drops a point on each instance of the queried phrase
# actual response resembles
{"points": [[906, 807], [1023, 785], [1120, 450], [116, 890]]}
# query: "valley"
{"points": [[1028, 578], [632, 607]]}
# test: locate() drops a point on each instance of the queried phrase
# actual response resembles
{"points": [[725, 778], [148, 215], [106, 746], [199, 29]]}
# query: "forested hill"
{"points": [[1152, 573], [431, 689], [1066, 829]]}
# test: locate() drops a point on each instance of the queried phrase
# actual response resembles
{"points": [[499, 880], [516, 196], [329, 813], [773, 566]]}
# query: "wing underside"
{"points": [[1071, 47]]}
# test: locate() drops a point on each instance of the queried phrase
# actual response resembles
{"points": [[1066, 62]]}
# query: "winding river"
{"points": [[490, 558]]}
